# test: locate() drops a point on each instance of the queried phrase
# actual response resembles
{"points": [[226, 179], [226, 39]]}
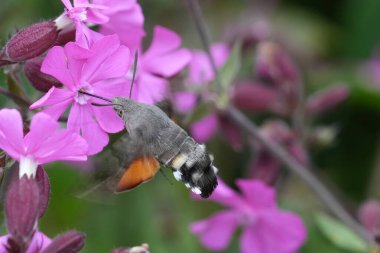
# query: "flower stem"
{"points": [[301, 171], [276, 150]]}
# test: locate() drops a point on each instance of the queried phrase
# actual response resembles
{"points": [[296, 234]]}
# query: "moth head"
{"points": [[119, 104]]}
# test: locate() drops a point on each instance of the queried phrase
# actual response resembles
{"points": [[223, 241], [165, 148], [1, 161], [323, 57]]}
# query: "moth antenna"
{"points": [[134, 73], [95, 96]]}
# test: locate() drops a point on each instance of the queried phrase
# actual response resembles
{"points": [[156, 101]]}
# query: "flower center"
{"points": [[248, 217], [28, 167], [83, 98], [78, 14]]}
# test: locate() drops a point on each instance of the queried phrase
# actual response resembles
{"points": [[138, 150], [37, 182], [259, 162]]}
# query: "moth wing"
{"points": [[140, 170]]}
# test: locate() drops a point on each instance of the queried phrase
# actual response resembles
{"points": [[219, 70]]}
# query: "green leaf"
{"points": [[231, 68], [201, 111], [339, 234]]}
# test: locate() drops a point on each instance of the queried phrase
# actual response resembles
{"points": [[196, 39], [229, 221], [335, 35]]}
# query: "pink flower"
{"points": [[200, 74], [162, 60], [369, 216], [125, 19], [100, 71], [44, 143], [38, 243], [265, 227]]}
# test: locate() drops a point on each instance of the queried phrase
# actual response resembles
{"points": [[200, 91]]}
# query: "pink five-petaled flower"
{"points": [[266, 229], [100, 71], [44, 143], [79, 13], [125, 19], [163, 59]]}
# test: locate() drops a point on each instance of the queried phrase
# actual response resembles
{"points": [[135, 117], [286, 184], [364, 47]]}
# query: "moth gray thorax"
{"points": [[169, 143]]}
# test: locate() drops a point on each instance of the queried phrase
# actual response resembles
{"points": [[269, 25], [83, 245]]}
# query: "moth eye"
{"points": [[120, 113]]}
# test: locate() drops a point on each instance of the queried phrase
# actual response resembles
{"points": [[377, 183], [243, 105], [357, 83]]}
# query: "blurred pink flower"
{"points": [[369, 216], [44, 143], [100, 70], [265, 227], [125, 19], [38, 243], [200, 74], [162, 60]]}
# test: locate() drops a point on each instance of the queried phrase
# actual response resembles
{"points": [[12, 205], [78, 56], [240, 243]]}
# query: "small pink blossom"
{"points": [[163, 59], [265, 227], [125, 18], [44, 143], [369, 216], [38, 243], [100, 70]]}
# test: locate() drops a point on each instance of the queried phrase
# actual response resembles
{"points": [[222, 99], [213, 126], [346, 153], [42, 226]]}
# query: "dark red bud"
{"points": [[31, 41], [44, 187], [65, 36], [265, 167], [327, 99], [69, 242], [231, 132], [254, 97], [41, 81], [274, 64], [21, 209]]}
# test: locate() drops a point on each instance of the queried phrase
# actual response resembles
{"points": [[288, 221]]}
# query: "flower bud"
{"points": [[369, 216], [274, 65], [44, 190], [65, 36], [31, 41], [231, 132], [21, 209], [69, 242], [265, 167], [254, 97], [327, 99], [41, 81]]}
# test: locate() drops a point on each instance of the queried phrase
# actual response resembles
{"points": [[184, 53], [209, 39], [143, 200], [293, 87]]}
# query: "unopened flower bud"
{"points": [[21, 209], [30, 42], [231, 132], [65, 36], [369, 216], [41, 81], [327, 99], [44, 187], [254, 97], [69, 242], [265, 167], [273, 64]]}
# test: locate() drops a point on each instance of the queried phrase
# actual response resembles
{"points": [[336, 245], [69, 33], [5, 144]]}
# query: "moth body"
{"points": [[169, 144]]}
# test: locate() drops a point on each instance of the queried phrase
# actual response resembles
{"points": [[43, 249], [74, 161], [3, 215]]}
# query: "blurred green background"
{"points": [[331, 40]]}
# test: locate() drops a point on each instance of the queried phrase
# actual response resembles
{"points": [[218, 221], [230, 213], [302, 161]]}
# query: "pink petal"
{"points": [[55, 64], [164, 41], [42, 127], [81, 120], [38, 243], [53, 97], [103, 49], [11, 133], [115, 65], [108, 120], [185, 101], [127, 21], [112, 88], [67, 4], [216, 231], [205, 129], [97, 17], [4, 243], [258, 194], [274, 231], [169, 64], [64, 145], [150, 89], [225, 195], [251, 241], [76, 58]]}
